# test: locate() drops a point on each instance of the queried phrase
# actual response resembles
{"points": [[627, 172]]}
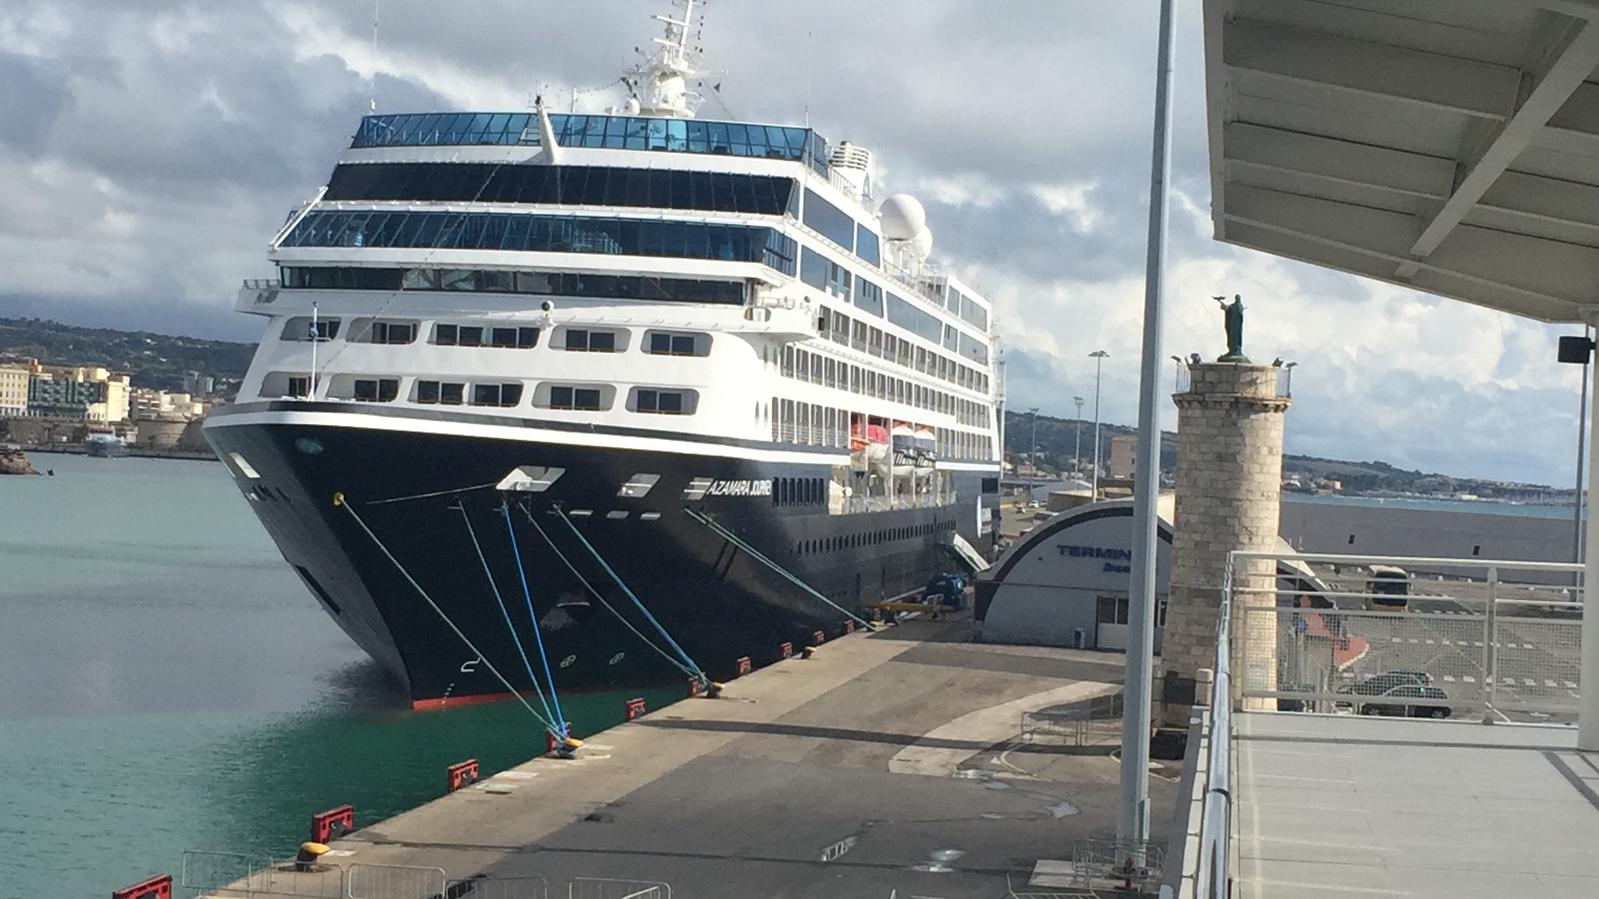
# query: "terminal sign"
{"points": [[1117, 561]]}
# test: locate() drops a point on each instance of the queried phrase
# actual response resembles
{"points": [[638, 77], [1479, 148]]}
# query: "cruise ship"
{"points": [[647, 392]]}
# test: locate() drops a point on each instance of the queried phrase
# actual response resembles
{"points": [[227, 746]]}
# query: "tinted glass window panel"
{"points": [[510, 394], [866, 245], [586, 398], [485, 394], [561, 397], [427, 391], [602, 341], [830, 221], [526, 337], [451, 394], [576, 339], [470, 337], [669, 403]]}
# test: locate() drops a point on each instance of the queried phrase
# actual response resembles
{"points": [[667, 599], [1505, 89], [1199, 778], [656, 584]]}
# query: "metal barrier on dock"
{"points": [[242, 875]]}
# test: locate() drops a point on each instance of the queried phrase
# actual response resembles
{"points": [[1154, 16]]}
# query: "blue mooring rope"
{"points": [[506, 613], [630, 595], [533, 617], [602, 601], [340, 502]]}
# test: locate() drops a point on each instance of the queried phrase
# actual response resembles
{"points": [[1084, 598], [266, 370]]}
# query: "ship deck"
{"points": [[893, 760]]}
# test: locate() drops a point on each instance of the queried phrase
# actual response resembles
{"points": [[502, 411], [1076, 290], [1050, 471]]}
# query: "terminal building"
{"points": [[1064, 583]]}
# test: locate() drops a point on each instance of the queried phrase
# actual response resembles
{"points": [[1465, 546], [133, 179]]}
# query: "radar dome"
{"points": [[903, 216], [922, 243]]}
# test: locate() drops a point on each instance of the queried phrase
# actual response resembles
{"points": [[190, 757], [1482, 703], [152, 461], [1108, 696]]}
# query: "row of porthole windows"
{"points": [[868, 538], [817, 368], [499, 394], [656, 342], [866, 338]]}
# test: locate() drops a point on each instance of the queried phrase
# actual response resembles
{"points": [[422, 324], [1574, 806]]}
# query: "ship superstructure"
{"points": [[635, 321]]}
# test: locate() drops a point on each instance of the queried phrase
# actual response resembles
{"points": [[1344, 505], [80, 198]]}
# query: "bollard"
{"points": [[633, 708], [743, 666], [1203, 679], [460, 774], [334, 823], [305, 861], [785, 650], [849, 626], [808, 653], [158, 887], [561, 749], [694, 687], [818, 638]]}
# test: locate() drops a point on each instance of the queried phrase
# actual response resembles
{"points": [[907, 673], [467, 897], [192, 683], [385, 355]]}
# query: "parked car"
{"points": [[1419, 702], [1379, 684]]}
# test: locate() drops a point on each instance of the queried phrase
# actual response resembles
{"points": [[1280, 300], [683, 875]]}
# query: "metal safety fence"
{"points": [[242, 875], [237, 875], [609, 888], [1374, 636]]}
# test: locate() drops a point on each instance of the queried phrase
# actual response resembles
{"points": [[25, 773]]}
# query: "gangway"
{"points": [[967, 553]]}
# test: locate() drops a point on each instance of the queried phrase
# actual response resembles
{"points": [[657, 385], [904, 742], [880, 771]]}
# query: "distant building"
{"points": [[1123, 456], [86, 393], [13, 391], [197, 384]]}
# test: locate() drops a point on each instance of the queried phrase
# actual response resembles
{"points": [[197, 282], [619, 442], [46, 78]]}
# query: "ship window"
{"points": [[663, 402], [514, 338], [830, 221], [299, 386], [386, 332], [443, 393], [582, 340], [303, 329], [244, 467], [530, 478], [666, 343], [638, 486], [585, 399], [376, 390], [504, 395]]}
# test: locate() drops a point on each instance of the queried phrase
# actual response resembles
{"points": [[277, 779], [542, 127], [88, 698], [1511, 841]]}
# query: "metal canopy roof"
{"points": [[1452, 147]]}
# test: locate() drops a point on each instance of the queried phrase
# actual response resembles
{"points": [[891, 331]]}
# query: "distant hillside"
{"points": [[153, 360], [1057, 438]]}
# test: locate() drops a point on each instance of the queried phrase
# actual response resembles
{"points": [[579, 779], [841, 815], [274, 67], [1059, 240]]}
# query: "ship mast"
{"points": [[659, 85]]}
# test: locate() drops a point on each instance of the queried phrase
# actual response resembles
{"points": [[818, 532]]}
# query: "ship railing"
{"points": [[1494, 641]]}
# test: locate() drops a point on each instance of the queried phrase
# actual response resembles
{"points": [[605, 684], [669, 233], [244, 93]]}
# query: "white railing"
{"points": [[1497, 642]]}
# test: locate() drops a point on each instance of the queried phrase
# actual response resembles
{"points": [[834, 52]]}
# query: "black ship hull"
{"points": [[428, 495]]}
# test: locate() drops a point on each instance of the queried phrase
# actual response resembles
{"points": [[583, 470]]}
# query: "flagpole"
{"points": [[310, 390]]}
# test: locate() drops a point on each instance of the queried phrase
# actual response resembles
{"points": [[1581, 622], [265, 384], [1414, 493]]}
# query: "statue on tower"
{"points": [[1233, 316]]}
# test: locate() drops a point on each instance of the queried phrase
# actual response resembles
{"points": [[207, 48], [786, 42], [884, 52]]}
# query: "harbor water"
{"points": [[169, 684]]}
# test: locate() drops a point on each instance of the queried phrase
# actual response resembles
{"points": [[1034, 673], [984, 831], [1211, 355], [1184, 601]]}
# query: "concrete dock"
{"points": [[893, 760]]}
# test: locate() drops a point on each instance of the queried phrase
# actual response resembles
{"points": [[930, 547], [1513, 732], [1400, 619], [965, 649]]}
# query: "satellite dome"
{"points": [[903, 216], [922, 242]]}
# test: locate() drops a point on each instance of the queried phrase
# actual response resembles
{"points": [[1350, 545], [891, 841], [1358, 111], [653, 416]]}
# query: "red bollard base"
{"points": [[334, 823], [634, 708], [785, 650], [158, 887], [743, 664], [460, 774]]}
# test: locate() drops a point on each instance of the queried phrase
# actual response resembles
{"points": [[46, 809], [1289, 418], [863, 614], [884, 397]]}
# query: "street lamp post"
{"points": [[1176, 374], [1099, 362], [1032, 454], [1077, 451], [1288, 381]]}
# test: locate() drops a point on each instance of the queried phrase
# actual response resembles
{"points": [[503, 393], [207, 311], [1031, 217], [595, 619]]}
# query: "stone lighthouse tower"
{"points": [[1229, 482]]}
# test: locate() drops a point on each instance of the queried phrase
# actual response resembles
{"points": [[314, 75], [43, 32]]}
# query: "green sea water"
{"points": [[166, 683]]}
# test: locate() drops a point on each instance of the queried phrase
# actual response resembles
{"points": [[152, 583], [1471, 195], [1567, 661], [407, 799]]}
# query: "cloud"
{"points": [[149, 150]]}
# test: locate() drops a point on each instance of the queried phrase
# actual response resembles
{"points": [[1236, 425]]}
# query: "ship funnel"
{"points": [[853, 165]]}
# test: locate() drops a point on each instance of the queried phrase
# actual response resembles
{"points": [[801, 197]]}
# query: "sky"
{"points": [[149, 150]]}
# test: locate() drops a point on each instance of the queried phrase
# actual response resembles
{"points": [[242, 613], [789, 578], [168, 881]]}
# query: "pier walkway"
{"points": [[893, 760]]}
